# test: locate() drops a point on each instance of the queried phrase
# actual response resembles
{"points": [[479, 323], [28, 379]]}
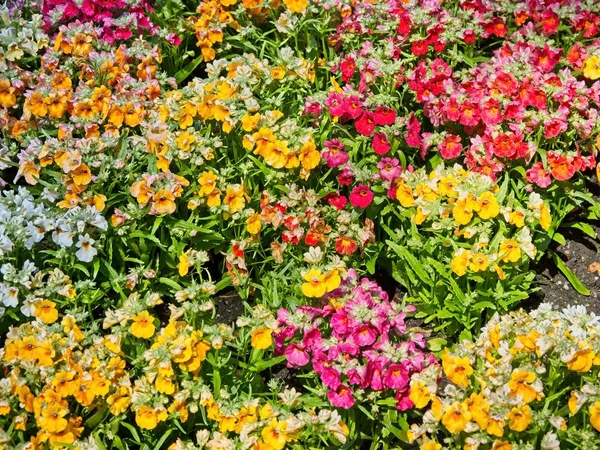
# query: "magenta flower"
{"points": [[395, 376], [330, 377], [345, 177], [296, 356], [361, 196], [341, 397], [364, 335], [336, 200], [389, 169], [384, 115], [174, 39], [334, 155]]}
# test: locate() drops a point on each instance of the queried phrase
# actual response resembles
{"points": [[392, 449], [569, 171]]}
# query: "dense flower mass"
{"points": [[296, 224]]}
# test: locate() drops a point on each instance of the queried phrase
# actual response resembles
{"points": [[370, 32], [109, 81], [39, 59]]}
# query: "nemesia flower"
{"points": [[361, 196]]}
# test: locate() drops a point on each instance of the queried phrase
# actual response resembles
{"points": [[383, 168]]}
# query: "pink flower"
{"points": [[450, 147], [341, 397], [395, 376], [490, 112], [380, 144], [353, 107], [554, 127], [296, 356], [174, 39], [364, 335], [336, 103], [365, 124], [330, 377], [361, 196], [389, 169], [413, 134], [538, 175], [334, 155], [403, 401], [373, 376]]}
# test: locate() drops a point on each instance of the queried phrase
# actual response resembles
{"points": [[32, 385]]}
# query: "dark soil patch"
{"points": [[229, 306], [578, 253]]}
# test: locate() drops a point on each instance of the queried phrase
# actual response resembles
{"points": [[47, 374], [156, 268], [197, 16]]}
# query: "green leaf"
{"points": [[559, 238], [413, 262], [185, 72], [262, 365], [575, 282], [586, 228], [162, 440], [170, 283]]}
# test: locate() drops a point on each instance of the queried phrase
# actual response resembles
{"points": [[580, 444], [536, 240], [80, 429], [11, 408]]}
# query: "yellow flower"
{"points": [[460, 262], [582, 360], [488, 206], [254, 224], [425, 192], [234, 199], [184, 264], [274, 434], [520, 385], [64, 383], [404, 194], [261, 338], [457, 369], [431, 445], [119, 401], [517, 218], [479, 263], [332, 280], [419, 394], [296, 6], [315, 285], [479, 408], [164, 385], [595, 415], [45, 310], [185, 140], [142, 326], [266, 412], [309, 155], [277, 72], [53, 419], [510, 251], [501, 445], [207, 183], [519, 418], [545, 218], [591, 70], [146, 418], [456, 418], [495, 427], [249, 122], [446, 187], [462, 213]]}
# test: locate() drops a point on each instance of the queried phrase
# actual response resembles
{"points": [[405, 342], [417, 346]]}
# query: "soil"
{"points": [[579, 253], [229, 306]]}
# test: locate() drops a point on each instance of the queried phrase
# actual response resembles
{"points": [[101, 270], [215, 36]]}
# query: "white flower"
{"points": [[86, 250], [9, 295], [62, 235], [550, 442], [28, 307]]}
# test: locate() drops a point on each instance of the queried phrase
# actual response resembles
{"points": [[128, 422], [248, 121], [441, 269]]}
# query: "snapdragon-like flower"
{"points": [[357, 343]]}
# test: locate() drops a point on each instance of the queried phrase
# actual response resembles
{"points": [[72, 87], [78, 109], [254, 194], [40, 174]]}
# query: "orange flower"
{"points": [[163, 202]]}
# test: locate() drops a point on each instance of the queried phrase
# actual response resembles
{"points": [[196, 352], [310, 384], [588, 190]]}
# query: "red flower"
{"points": [[419, 48], [345, 177], [562, 167], [490, 112], [384, 115], [538, 175], [550, 22], [450, 147], [469, 36], [345, 245], [336, 200], [496, 27], [361, 196], [365, 124], [347, 67], [381, 144], [469, 114]]}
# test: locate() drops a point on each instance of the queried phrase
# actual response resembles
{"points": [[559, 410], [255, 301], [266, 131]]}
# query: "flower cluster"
{"points": [[527, 376], [357, 343], [116, 20]]}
